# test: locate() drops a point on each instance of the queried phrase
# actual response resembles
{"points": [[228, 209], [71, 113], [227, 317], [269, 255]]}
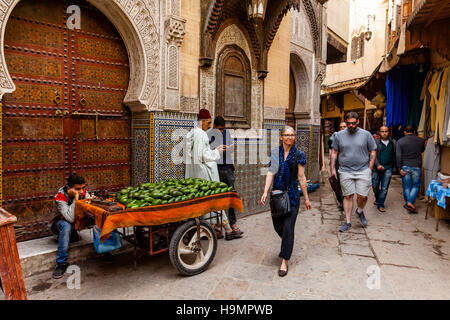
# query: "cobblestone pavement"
{"points": [[413, 260]]}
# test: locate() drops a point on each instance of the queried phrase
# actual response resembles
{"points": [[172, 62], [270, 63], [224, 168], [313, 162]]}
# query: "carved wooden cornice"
{"points": [[261, 34]]}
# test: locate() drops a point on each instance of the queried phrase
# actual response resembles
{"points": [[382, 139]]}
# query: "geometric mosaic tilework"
{"points": [[250, 185], [314, 154], [250, 178], [165, 127], [141, 162], [140, 151], [303, 142]]}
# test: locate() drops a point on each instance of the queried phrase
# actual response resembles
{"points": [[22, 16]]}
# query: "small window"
{"points": [[361, 45], [354, 54], [357, 50]]}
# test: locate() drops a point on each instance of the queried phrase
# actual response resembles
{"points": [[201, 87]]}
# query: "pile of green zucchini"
{"points": [[172, 190]]}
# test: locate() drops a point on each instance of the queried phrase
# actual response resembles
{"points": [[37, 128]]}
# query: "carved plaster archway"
{"points": [[134, 20], [232, 35], [302, 106], [262, 35]]}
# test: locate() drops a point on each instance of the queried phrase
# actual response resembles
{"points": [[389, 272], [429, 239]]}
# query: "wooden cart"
{"points": [[179, 228]]}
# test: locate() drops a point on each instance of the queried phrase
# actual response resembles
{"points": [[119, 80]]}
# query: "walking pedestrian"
{"points": [[221, 136], [353, 147], [384, 164], [375, 133], [286, 170], [409, 161]]}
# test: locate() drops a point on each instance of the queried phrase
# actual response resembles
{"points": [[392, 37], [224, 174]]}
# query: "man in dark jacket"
{"points": [[384, 164], [409, 162], [225, 165]]}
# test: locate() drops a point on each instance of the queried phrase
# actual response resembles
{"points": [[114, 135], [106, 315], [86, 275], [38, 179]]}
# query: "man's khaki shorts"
{"points": [[359, 182]]}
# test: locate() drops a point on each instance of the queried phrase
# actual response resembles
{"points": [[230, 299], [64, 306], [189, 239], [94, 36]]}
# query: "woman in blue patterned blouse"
{"points": [[281, 161]]}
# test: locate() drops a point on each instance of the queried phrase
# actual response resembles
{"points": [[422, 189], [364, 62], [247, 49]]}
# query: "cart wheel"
{"points": [[184, 252]]}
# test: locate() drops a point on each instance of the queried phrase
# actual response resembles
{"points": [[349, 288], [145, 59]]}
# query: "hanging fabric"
{"points": [[397, 96], [432, 89], [431, 161], [423, 115], [446, 131], [415, 80], [424, 126], [440, 107]]}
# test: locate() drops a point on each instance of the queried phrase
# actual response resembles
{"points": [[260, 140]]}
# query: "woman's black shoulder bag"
{"points": [[280, 204]]}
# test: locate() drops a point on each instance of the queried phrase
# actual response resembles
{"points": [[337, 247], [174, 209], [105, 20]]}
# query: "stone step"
{"points": [[39, 255]]}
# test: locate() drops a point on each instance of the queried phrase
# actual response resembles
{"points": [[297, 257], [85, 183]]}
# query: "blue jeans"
{"points": [[65, 230], [380, 185], [411, 183]]}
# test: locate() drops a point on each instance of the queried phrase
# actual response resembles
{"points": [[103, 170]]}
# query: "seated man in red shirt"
{"points": [[63, 222]]}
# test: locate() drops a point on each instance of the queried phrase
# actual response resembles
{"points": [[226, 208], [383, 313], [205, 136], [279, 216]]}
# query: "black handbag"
{"points": [[280, 204]]}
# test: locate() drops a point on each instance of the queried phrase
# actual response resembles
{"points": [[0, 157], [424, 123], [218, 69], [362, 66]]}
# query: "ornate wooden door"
{"points": [[233, 87], [66, 115]]}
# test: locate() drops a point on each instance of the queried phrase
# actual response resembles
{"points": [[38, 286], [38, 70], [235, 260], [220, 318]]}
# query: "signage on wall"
{"points": [[74, 20]]}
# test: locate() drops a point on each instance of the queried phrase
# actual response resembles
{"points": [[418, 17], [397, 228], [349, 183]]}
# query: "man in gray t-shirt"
{"points": [[353, 145]]}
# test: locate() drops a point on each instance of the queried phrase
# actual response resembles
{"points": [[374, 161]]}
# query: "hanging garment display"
{"points": [[431, 161], [423, 117], [440, 107], [396, 96], [416, 77], [424, 127], [446, 131], [432, 89]]}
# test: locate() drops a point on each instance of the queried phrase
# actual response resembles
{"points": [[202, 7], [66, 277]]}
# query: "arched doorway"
{"points": [[233, 87], [299, 91], [66, 114], [290, 116]]}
